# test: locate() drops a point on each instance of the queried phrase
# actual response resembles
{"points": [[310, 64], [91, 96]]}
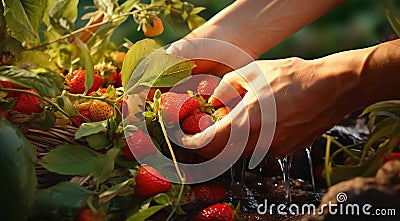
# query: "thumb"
{"points": [[231, 88]]}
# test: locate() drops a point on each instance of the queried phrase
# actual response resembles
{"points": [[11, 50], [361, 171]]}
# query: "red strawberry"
{"points": [[209, 193], [391, 156], [118, 80], [28, 104], [6, 84], [216, 212], [87, 214], [207, 86], [176, 107], [220, 113], [196, 123], [139, 143], [77, 82], [150, 182], [99, 110], [79, 120]]}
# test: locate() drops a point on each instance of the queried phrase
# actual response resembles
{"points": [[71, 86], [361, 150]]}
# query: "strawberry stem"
{"points": [[102, 98], [54, 105], [181, 178]]}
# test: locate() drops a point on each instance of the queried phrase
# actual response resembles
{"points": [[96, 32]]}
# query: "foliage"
{"points": [[384, 138], [40, 47]]}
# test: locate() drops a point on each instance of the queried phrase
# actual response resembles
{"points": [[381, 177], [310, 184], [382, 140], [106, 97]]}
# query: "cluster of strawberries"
{"points": [[149, 182], [193, 113]]}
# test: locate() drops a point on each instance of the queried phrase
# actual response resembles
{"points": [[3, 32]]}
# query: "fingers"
{"points": [[233, 86]]}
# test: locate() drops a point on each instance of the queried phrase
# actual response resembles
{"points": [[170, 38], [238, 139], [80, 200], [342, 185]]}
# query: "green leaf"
{"points": [[17, 172], [65, 103], [36, 59], [105, 166], [391, 9], [98, 141], [87, 63], [19, 18], [107, 6], [197, 10], [47, 84], [143, 214], [180, 70], [42, 121], [62, 14], [7, 104], [99, 42], [162, 199], [115, 190], [71, 160], [60, 202], [195, 21], [140, 50], [87, 129], [391, 106], [160, 69]]}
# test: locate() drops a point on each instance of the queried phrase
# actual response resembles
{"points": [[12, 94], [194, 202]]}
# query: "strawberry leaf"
{"points": [[87, 129], [47, 84], [24, 17], [140, 50], [87, 63], [71, 160], [145, 213], [98, 141], [60, 202], [105, 166], [160, 70], [42, 121]]}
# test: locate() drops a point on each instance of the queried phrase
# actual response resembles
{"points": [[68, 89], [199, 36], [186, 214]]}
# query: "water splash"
{"points": [[310, 166], [285, 164]]}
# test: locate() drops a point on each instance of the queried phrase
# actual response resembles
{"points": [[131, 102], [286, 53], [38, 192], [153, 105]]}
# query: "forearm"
{"points": [[363, 77], [258, 25]]}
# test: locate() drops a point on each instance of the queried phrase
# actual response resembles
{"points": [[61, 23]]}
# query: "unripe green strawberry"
{"points": [[28, 104], [207, 86], [149, 182], [76, 82], [196, 123], [100, 110], [216, 212], [139, 143], [175, 107]]}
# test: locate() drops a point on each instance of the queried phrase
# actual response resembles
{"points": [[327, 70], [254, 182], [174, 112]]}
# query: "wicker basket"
{"points": [[45, 140]]}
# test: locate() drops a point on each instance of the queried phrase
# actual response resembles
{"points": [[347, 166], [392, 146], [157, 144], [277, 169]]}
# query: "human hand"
{"points": [[293, 93]]}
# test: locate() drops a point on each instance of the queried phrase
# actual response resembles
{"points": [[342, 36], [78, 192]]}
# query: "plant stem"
{"points": [[327, 159], [58, 108], [345, 149], [102, 98], [181, 178]]}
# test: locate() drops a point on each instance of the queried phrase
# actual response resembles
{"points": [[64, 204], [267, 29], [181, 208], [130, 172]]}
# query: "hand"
{"points": [[211, 56], [291, 92]]}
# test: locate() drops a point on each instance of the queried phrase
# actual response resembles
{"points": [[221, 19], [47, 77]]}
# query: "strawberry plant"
{"points": [[55, 74]]}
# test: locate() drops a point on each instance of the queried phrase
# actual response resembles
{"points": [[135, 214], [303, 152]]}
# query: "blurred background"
{"points": [[354, 24]]}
